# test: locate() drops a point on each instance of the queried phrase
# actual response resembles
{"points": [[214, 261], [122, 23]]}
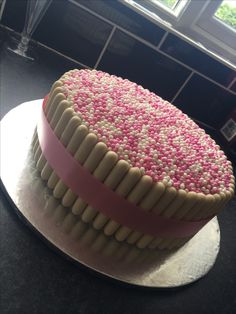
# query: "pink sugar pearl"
{"points": [[148, 132]]}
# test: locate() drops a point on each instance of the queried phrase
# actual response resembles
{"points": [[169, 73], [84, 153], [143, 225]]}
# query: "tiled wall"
{"points": [[107, 35]]}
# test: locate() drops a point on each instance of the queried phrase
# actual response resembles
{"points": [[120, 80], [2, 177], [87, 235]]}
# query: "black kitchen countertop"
{"points": [[37, 279]]}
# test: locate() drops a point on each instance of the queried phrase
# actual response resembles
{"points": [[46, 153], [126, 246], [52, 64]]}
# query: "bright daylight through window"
{"points": [[169, 3], [211, 24], [227, 13]]}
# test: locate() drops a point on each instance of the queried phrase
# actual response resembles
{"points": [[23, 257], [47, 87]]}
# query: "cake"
{"points": [[147, 174]]}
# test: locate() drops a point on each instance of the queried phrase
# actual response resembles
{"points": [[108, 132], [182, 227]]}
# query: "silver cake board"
{"points": [[81, 242]]}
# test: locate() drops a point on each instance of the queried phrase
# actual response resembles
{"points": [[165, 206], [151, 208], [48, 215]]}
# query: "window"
{"points": [[226, 13], [210, 23], [168, 3]]}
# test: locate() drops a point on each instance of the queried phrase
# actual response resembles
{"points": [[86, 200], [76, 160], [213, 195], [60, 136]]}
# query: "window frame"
{"points": [[215, 26], [165, 11], [196, 23]]}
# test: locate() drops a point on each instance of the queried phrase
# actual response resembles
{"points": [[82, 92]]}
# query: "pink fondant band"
{"points": [[100, 197]]}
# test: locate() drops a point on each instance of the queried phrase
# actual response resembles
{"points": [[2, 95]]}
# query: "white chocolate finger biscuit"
{"points": [[65, 139], [111, 181], [90, 164], [72, 147], [66, 115], [104, 167], [50, 109], [123, 189], [142, 242], [82, 153], [135, 196]]}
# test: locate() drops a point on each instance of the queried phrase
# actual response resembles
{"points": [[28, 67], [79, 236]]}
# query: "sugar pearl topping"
{"points": [[148, 132]]}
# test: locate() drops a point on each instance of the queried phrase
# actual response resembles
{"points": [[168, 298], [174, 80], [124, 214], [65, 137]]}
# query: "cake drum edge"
{"points": [[23, 186]]}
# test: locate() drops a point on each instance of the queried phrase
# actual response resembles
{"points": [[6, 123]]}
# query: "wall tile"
{"points": [[14, 14], [73, 31], [2, 36], [23, 81], [80, 35], [128, 58], [197, 59], [206, 101], [65, 28], [233, 87], [126, 18]]}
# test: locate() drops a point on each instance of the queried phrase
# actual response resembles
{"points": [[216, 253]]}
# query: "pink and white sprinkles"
{"points": [[148, 132]]}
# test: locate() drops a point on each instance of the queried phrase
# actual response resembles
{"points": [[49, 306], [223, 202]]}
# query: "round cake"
{"points": [[143, 149]]}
